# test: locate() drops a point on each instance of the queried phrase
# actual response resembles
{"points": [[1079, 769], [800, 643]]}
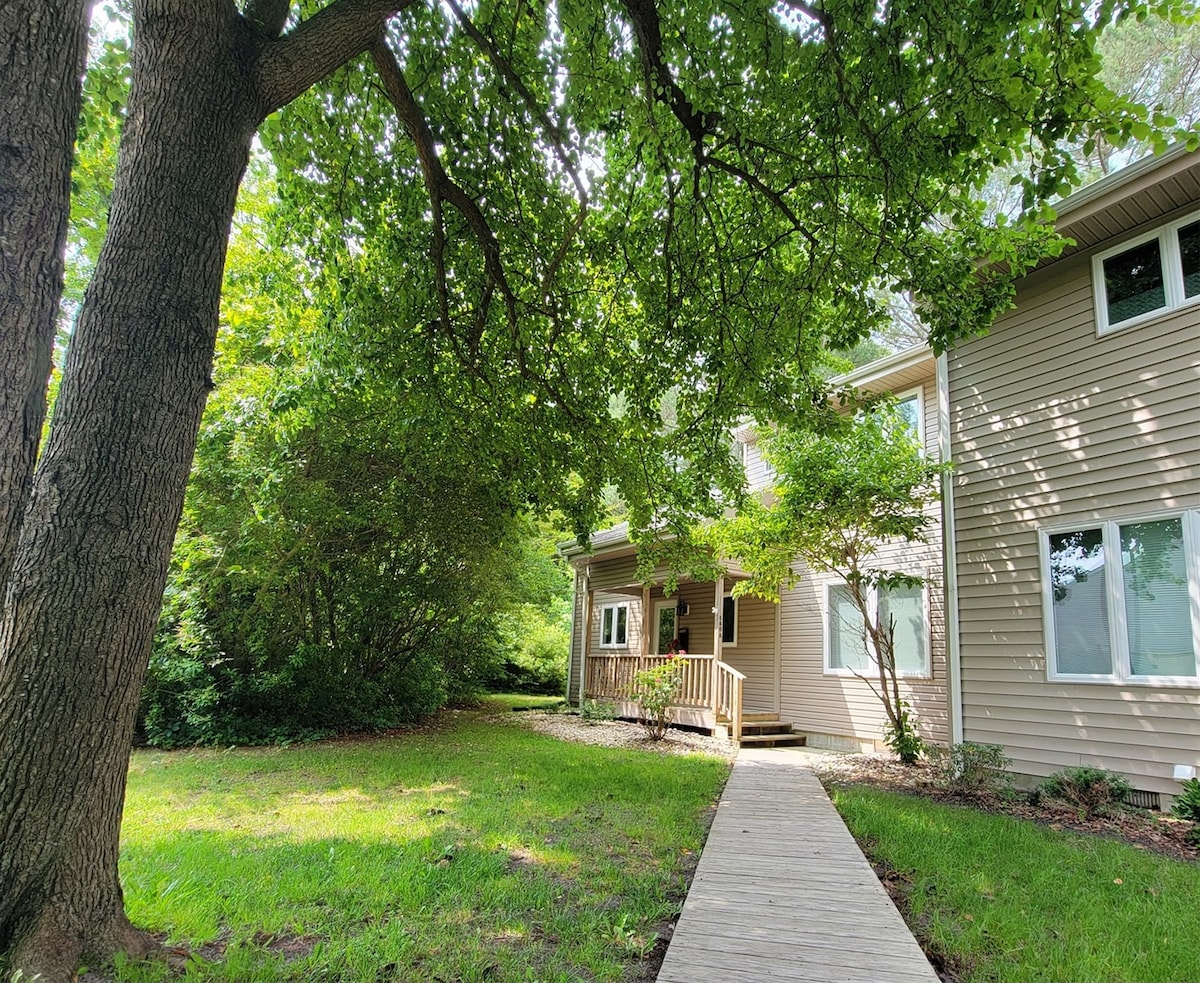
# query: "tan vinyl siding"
{"points": [[617, 572], [758, 472], [754, 653], [842, 706], [1052, 425]]}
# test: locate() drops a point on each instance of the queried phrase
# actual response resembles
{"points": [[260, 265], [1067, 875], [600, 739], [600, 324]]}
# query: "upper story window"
{"points": [[908, 405], [614, 625], [1147, 276], [1118, 601]]}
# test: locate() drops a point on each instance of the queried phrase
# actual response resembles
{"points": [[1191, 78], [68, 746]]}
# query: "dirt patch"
{"points": [[1141, 828]]}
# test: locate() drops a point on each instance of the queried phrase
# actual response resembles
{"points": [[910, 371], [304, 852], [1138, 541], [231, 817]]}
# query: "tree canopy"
{"points": [[543, 218]]}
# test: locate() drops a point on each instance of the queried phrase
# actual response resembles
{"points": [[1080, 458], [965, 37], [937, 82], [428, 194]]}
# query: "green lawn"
{"points": [[477, 851], [1008, 900]]}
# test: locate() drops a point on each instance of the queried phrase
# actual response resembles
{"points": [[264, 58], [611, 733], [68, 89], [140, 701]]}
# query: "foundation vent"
{"points": [[1142, 799]]}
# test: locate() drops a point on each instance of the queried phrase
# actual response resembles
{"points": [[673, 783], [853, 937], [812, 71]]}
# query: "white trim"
{"points": [[949, 558], [1113, 181], [880, 368], [873, 606], [1172, 271], [1118, 638], [659, 605], [732, 644], [614, 607], [919, 393]]}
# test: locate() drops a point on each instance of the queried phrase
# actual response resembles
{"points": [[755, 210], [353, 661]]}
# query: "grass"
{"points": [[1003, 899], [477, 851]]}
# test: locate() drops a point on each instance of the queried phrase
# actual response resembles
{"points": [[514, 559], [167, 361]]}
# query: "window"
{"points": [[729, 609], [908, 405], [846, 644], [1151, 275], [614, 625], [1118, 600]]}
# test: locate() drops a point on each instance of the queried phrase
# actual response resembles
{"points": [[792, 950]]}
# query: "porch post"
{"points": [[647, 626], [586, 634], [718, 608]]}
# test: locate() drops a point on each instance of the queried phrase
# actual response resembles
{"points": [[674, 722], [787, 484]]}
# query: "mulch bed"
{"points": [[1141, 828]]}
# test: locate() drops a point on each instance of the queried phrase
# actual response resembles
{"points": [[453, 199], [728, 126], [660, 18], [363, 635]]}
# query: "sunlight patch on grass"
{"points": [[480, 851]]}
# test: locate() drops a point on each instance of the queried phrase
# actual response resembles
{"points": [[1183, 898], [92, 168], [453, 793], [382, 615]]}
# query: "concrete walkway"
{"points": [[782, 891]]}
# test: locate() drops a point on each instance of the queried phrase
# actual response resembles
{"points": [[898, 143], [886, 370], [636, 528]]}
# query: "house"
{"points": [[1061, 616], [793, 664], [1075, 435]]}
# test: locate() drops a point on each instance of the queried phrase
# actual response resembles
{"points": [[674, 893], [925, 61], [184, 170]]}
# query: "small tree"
{"points": [[844, 490], [655, 689]]}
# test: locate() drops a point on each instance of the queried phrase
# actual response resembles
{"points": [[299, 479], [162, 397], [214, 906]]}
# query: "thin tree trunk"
{"points": [[89, 570], [43, 44]]}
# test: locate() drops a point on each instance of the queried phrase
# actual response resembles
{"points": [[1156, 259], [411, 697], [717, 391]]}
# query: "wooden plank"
{"points": [[782, 891]]}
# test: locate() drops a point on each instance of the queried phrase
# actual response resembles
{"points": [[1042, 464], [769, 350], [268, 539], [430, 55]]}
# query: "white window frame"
{"points": [[873, 607], [613, 643], [736, 605], [919, 393], [1172, 261], [1118, 638]]}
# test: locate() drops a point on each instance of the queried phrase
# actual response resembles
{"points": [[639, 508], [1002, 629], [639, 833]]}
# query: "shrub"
{"points": [[1187, 806], [1089, 790], [901, 736], [597, 711], [1187, 803], [970, 768], [655, 689]]}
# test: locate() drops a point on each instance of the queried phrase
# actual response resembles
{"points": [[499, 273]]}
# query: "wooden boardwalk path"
{"points": [[782, 891]]}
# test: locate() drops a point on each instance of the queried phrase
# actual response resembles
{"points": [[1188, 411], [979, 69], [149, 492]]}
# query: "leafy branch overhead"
{"points": [[562, 205]]}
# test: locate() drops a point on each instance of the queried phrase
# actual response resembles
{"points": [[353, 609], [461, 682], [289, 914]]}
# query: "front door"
{"points": [[664, 627]]}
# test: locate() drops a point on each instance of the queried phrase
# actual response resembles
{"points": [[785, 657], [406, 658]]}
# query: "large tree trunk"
{"points": [[92, 558], [43, 44]]}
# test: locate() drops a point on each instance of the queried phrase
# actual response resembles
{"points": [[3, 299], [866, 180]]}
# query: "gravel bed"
{"points": [[621, 733]]}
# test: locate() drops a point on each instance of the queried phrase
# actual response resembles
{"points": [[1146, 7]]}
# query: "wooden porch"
{"points": [[710, 691], [631, 626]]}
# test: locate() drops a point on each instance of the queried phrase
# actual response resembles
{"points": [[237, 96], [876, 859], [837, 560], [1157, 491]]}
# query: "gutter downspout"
{"points": [[949, 554]]}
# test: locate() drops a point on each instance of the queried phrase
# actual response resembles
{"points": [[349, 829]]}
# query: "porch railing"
{"points": [[728, 703], [701, 686], [610, 677]]}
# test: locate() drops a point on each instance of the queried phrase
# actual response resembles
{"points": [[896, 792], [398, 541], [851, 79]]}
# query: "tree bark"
{"points": [[91, 561], [43, 44]]}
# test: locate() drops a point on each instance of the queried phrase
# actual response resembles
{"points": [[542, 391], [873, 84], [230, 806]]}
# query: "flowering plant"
{"points": [[655, 689]]}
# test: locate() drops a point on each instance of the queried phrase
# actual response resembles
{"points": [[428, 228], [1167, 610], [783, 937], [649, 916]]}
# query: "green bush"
{"points": [[902, 737], [970, 768], [597, 711], [1187, 802], [655, 690], [1090, 790], [1187, 806]]}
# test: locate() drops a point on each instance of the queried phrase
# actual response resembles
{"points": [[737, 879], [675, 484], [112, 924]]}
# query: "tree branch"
{"points": [[551, 128], [268, 17], [441, 187], [287, 67]]}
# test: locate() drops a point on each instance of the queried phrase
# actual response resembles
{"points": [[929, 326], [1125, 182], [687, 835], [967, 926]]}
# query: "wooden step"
{"points": [[770, 726], [773, 740]]}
